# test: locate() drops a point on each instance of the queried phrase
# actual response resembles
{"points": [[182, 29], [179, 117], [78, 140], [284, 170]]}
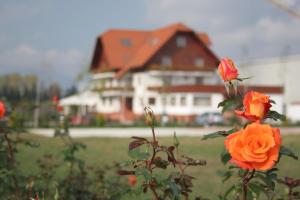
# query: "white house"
{"points": [[171, 69]]}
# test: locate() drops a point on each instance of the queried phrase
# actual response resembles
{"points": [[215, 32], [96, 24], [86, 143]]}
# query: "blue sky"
{"points": [[55, 38]]}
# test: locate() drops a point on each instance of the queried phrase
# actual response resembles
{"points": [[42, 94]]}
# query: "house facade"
{"points": [[171, 69]]}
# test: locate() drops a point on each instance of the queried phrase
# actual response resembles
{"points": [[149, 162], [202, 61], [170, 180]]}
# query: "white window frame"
{"points": [[202, 97]]}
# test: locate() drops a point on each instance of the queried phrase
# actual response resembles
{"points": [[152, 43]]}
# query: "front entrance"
{"points": [[128, 103], [127, 114]]}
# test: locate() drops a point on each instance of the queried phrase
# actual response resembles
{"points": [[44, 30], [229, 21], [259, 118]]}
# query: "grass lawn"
{"points": [[101, 151]]}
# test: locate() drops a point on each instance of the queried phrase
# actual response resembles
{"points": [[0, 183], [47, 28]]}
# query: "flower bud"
{"points": [[256, 106], [227, 70], [132, 180]]}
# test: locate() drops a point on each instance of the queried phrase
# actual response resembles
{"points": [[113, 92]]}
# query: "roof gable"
{"points": [[128, 49]]}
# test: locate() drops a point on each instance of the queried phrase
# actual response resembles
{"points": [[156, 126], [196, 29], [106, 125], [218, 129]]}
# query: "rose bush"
{"points": [[254, 148]]}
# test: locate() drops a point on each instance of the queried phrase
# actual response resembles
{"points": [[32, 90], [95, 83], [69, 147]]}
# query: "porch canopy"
{"points": [[81, 99]]}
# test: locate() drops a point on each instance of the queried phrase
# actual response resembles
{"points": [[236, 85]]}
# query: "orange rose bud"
{"points": [[256, 106], [132, 180], [2, 109], [227, 70], [255, 147]]}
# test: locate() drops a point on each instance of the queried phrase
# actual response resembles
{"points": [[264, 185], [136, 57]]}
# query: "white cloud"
{"points": [[50, 65], [233, 25]]}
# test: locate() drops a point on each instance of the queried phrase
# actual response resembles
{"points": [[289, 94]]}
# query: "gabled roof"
{"points": [[129, 49]]}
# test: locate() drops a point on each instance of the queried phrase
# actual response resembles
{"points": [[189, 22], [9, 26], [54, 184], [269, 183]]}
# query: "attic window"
{"points": [[126, 42], [181, 41], [166, 61], [199, 62]]}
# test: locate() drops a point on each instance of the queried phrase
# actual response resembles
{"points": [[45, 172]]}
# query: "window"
{"points": [[199, 80], [199, 62], [166, 61], [164, 101], [106, 101], [126, 42], [110, 101], [202, 101], [183, 101], [181, 41], [151, 101], [173, 101]]}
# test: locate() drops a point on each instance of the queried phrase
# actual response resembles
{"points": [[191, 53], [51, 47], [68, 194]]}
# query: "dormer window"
{"points": [[199, 62], [181, 41], [126, 42], [166, 61]]}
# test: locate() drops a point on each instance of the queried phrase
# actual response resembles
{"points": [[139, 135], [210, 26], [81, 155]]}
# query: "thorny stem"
{"points": [[10, 156], [179, 161], [246, 178], [154, 146], [154, 193], [153, 134]]}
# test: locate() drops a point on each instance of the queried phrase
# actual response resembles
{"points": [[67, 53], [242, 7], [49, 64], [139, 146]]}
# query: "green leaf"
{"points": [[287, 152], [219, 134], [139, 153], [275, 116], [255, 188], [229, 191], [224, 174], [144, 172], [242, 79], [272, 101], [230, 104], [175, 190], [225, 157], [160, 163]]}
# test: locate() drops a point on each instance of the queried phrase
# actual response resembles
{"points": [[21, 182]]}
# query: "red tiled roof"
{"points": [[143, 45], [117, 54], [214, 89]]}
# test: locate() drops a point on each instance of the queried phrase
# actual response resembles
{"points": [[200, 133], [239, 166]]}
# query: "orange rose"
{"points": [[256, 106], [227, 69], [255, 147], [2, 109], [132, 180]]}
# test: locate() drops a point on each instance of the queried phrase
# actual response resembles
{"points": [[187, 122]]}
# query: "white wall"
{"points": [[293, 112], [188, 109], [105, 105], [275, 72]]}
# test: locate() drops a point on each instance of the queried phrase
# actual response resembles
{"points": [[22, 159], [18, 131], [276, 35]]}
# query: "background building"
{"points": [[171, 69], [279, 71]]}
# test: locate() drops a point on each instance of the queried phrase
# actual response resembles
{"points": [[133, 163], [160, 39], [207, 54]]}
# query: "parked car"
{"points": [[209, 118]]}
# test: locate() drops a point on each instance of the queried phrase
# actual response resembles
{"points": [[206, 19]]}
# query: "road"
{"points": [[143, 132]]}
